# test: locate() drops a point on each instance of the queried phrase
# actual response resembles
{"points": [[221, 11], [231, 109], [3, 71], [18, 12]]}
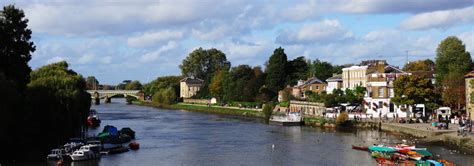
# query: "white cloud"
{"points": [[394, 6], [439, 19], [326, 31], [154, 38], [86, 58], [106, 59], [151, 56], [468, 39], [55, 59]]}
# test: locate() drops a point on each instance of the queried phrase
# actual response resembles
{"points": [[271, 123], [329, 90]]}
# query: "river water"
{"points": [[173, 137]]}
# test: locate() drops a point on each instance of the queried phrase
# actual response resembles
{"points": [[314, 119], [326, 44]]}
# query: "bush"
{"points": [[164, 96], [342, 118], [267, 111], [284, 104]]}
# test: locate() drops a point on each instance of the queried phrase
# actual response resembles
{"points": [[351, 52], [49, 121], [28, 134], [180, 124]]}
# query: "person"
{"points": [[447, 122], [462, 126]]}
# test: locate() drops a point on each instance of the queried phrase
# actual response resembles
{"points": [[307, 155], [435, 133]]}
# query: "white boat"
{"points": [[55, 154], [86, 152]]}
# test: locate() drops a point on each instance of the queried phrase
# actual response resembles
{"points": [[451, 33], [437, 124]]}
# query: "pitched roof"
{"points": [[191, 80], [335, 78]]}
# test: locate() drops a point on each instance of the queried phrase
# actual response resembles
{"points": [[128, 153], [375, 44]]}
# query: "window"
{"points": [[381, 90], [317, 87], [310, 87], [391, 92], [380, 104]]}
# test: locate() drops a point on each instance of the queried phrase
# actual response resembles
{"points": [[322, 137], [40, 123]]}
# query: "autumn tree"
{"points": [[411, 90], [420, 65], [453, 90], [216, 87]]}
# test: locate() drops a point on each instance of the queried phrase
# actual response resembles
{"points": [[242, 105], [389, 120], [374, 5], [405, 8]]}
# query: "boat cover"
{"points": [[382, 149], [434, 163], [110, 129]]}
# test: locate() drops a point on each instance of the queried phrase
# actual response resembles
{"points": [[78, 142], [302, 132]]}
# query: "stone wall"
{"points": [[197, 101], [308, 109]]}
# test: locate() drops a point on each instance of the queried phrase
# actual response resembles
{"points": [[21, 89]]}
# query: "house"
{"points": [[356, 75], [380, 90], [469, 89], [334, 82], [189, 87], [313, 84]]}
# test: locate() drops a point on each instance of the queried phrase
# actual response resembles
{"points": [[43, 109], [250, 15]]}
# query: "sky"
{"points": [[116, 40]]}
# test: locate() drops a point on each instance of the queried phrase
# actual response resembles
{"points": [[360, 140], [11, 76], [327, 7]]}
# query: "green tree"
{"points": [[420, 65], [15, 46], [297, 70], [267, 111], [164, 96], [452, 57], [276, 71], [162, 83], [411, 90], [323, 70], [61, 95], [204, 64], [92, 83], [134, 85]]}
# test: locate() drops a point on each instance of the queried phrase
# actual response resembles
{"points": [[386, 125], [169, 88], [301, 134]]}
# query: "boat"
{"points": [[414, 156], [93, 119], [56, 154], [384, 162], [117, 150], [446, 162], [128, 131], [424, 153], [86, 152], [134, 145], [292, 119], [382, 149], [363, 148], [435, 163]]}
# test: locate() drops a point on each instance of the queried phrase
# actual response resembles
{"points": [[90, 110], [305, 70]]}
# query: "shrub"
{"points": [[342, 118], [267, 111], [164, 96]]}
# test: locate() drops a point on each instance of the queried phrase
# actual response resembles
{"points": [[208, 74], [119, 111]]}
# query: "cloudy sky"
{"points": [[142, 39]]}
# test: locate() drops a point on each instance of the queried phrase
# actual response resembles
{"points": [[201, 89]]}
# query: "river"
{"points": [[173, 137]]}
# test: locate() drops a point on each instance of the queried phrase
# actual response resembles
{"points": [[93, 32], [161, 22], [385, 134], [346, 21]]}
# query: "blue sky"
{"points": [[140, 40]]}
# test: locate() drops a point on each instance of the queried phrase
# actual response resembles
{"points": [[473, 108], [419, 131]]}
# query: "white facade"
{"points": [[331, 86]]}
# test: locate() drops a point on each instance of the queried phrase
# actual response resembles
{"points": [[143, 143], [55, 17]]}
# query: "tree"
{"points": [[134, 85], [276, 71], [451, 56], [297, 70], [204, 64], [453, 91], [92, 83], [411, 90], [165, 96], [267, 111], [216, 88], [323, 70], [58, 106], [15, 46], [420, 65], [162, 83]]}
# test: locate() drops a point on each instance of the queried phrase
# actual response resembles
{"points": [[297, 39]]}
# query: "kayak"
{"points": [[434, 163], [424, 153], [382, 149], [363, 148], [446, 163]]}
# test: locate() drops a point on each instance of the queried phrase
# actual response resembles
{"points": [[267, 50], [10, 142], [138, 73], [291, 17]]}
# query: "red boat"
{"points": [[93, 119], [134, 145], [363, 148]]}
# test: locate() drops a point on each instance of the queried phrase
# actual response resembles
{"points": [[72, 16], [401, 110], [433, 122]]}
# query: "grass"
{"points": [[207, 109]]}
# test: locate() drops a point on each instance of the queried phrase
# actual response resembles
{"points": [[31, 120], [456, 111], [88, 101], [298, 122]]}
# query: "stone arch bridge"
{"points": [[101, 94]]}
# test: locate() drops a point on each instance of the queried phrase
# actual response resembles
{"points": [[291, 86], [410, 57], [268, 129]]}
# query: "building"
{"points": [[356, 75], [313, 84], [469, 89], [307, 109], [334, 82], [189, 87], [380, 90]]}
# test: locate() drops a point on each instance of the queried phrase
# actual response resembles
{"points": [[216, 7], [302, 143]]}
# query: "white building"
{"points": [[334, 82], [189, 87]]}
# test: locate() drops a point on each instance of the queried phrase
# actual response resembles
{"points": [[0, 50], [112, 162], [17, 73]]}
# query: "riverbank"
{"points": [[207, 109]]}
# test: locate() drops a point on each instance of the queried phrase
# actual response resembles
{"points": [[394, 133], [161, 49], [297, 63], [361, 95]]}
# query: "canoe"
{"points": [[363, 148], [446, 162], [435, 163], [424, 153], [384, 162], [382, 149]]}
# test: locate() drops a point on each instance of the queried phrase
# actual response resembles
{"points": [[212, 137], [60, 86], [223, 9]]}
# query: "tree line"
{"points": [[39, 109]]}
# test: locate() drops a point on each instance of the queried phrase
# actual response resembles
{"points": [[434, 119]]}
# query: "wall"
{"points": [[308, 109], [197, 101]]}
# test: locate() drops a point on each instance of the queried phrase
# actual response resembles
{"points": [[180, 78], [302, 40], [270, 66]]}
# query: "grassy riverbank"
{"points": [[207, 109]]}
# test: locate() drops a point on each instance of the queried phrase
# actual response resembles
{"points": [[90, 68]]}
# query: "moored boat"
{"points": [[56, 154], [86, 152], [134, 145], [93, 119], [382, 149]]}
